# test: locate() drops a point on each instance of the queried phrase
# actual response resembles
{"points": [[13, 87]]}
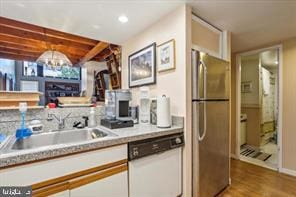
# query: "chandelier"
{"points": [[54, 58]]}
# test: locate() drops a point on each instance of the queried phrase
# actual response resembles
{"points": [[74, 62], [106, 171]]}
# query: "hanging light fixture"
{"points": [[53, 58]]}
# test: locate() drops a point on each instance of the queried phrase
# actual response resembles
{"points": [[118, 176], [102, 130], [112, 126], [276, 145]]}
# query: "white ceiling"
{"points": [[252, 22], [97, 19]]}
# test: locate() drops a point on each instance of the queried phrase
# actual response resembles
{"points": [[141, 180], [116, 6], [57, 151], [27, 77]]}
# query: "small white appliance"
{"points": [[117, 109], [117, 103]]}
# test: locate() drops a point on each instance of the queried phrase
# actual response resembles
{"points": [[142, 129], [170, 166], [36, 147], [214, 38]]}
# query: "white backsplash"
{"points": [[10, 119]]}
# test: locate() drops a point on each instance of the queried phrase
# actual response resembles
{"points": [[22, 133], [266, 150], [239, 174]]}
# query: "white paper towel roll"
{"points": [[163, 112]]}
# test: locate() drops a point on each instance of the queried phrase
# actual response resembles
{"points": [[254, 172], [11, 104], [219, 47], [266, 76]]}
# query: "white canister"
{"points": [[164, 119]]}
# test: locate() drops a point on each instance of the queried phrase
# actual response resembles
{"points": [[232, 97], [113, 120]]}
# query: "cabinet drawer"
{"points": [[107, 179], [109, 183]]}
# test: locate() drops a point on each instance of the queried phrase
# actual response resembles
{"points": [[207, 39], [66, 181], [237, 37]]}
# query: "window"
{"points": [[65, 72], [30, 69], [7, 74]]}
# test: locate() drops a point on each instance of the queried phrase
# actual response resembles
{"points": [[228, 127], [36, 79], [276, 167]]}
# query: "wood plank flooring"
{"points": [[250, 180]]}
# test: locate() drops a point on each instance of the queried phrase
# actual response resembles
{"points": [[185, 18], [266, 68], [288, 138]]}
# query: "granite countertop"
{"points": [[122, 136]]}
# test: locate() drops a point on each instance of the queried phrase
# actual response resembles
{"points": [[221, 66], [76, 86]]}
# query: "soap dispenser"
{"points": [[23, 131], [92, 118]]}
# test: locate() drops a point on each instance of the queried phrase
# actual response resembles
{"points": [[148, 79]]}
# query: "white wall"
{"points": [[250, 73], [171, 83], [289, 107]]}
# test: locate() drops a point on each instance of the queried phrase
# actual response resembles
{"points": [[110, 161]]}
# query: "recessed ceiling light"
{"points": [[96, 26], [276, 62], [123, 19]]}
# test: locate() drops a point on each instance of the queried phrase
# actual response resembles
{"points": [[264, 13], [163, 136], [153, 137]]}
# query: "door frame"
{"points": [[280, 100]]}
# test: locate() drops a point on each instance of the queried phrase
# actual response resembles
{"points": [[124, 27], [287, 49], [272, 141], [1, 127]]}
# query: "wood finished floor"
{"points": [[250, 180]]}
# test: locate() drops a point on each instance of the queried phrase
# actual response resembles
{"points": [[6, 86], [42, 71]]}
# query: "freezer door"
{"points": [[198, 76], [210, 154], [210, 77]]}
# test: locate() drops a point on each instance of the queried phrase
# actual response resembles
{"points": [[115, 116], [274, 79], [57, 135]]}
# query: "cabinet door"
{"points": [[51, 169], [55, 190], [112, 186]]}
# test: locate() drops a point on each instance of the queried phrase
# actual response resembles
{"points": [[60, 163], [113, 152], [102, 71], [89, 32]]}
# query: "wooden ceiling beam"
{"points": [[103, 56], [33, 54], [26, 40], [50, 32], [25, 43], [20, 52], [16, 56], [107, 53], [93, 52], [20, 47], [6, 30]]}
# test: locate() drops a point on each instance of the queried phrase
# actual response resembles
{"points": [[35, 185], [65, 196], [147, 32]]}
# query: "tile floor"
{"points": [[271, 162], [271, 148]]}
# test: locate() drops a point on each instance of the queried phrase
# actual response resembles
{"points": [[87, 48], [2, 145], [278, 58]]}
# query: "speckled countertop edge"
{"points": [[138, 132]]}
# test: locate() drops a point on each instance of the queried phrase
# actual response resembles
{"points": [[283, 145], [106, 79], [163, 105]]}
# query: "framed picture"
{"points": [[142, 67], [166, 56]]}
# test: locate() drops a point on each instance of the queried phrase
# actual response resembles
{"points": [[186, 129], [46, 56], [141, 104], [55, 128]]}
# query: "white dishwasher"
{"points": [[155, 167]]}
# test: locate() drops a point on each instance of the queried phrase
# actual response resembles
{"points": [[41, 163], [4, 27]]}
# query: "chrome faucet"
{"points": [[61, 121]]}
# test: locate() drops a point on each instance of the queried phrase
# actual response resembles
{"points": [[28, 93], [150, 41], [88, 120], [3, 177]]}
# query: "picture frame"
{"points": [[166, 56], [142, 66]]}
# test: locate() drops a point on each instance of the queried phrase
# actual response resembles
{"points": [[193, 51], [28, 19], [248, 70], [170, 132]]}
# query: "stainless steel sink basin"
{"points": [[57, 137]]}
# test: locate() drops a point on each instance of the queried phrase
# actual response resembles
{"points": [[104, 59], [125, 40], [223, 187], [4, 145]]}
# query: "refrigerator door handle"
{"points": [[203, 64], [200, 138]]}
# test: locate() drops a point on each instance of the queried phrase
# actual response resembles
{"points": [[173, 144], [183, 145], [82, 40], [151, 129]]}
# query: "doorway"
{"points": [[258, 106]]}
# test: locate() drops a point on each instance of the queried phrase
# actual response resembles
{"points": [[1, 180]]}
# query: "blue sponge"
{"points": [[22, 133]]}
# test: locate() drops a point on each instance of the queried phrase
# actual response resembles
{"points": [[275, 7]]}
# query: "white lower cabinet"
{"points": [[113, 186], [98, 173]]}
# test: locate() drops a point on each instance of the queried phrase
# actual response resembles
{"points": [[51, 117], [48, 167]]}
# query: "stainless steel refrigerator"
{"points": [[210, 107]]}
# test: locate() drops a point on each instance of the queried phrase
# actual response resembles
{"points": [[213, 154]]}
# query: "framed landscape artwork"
{"points": [[142, 66], [166, 56]]}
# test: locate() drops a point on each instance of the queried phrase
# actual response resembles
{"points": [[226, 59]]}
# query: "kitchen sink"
{"points": [[55, 138]]}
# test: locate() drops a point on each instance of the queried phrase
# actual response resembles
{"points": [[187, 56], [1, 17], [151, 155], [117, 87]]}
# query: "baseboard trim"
{"points": [[233, 156], [288, 171]]}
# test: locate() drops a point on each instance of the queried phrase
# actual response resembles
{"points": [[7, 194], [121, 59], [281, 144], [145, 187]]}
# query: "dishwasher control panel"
{"points": [[156, 145]]}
